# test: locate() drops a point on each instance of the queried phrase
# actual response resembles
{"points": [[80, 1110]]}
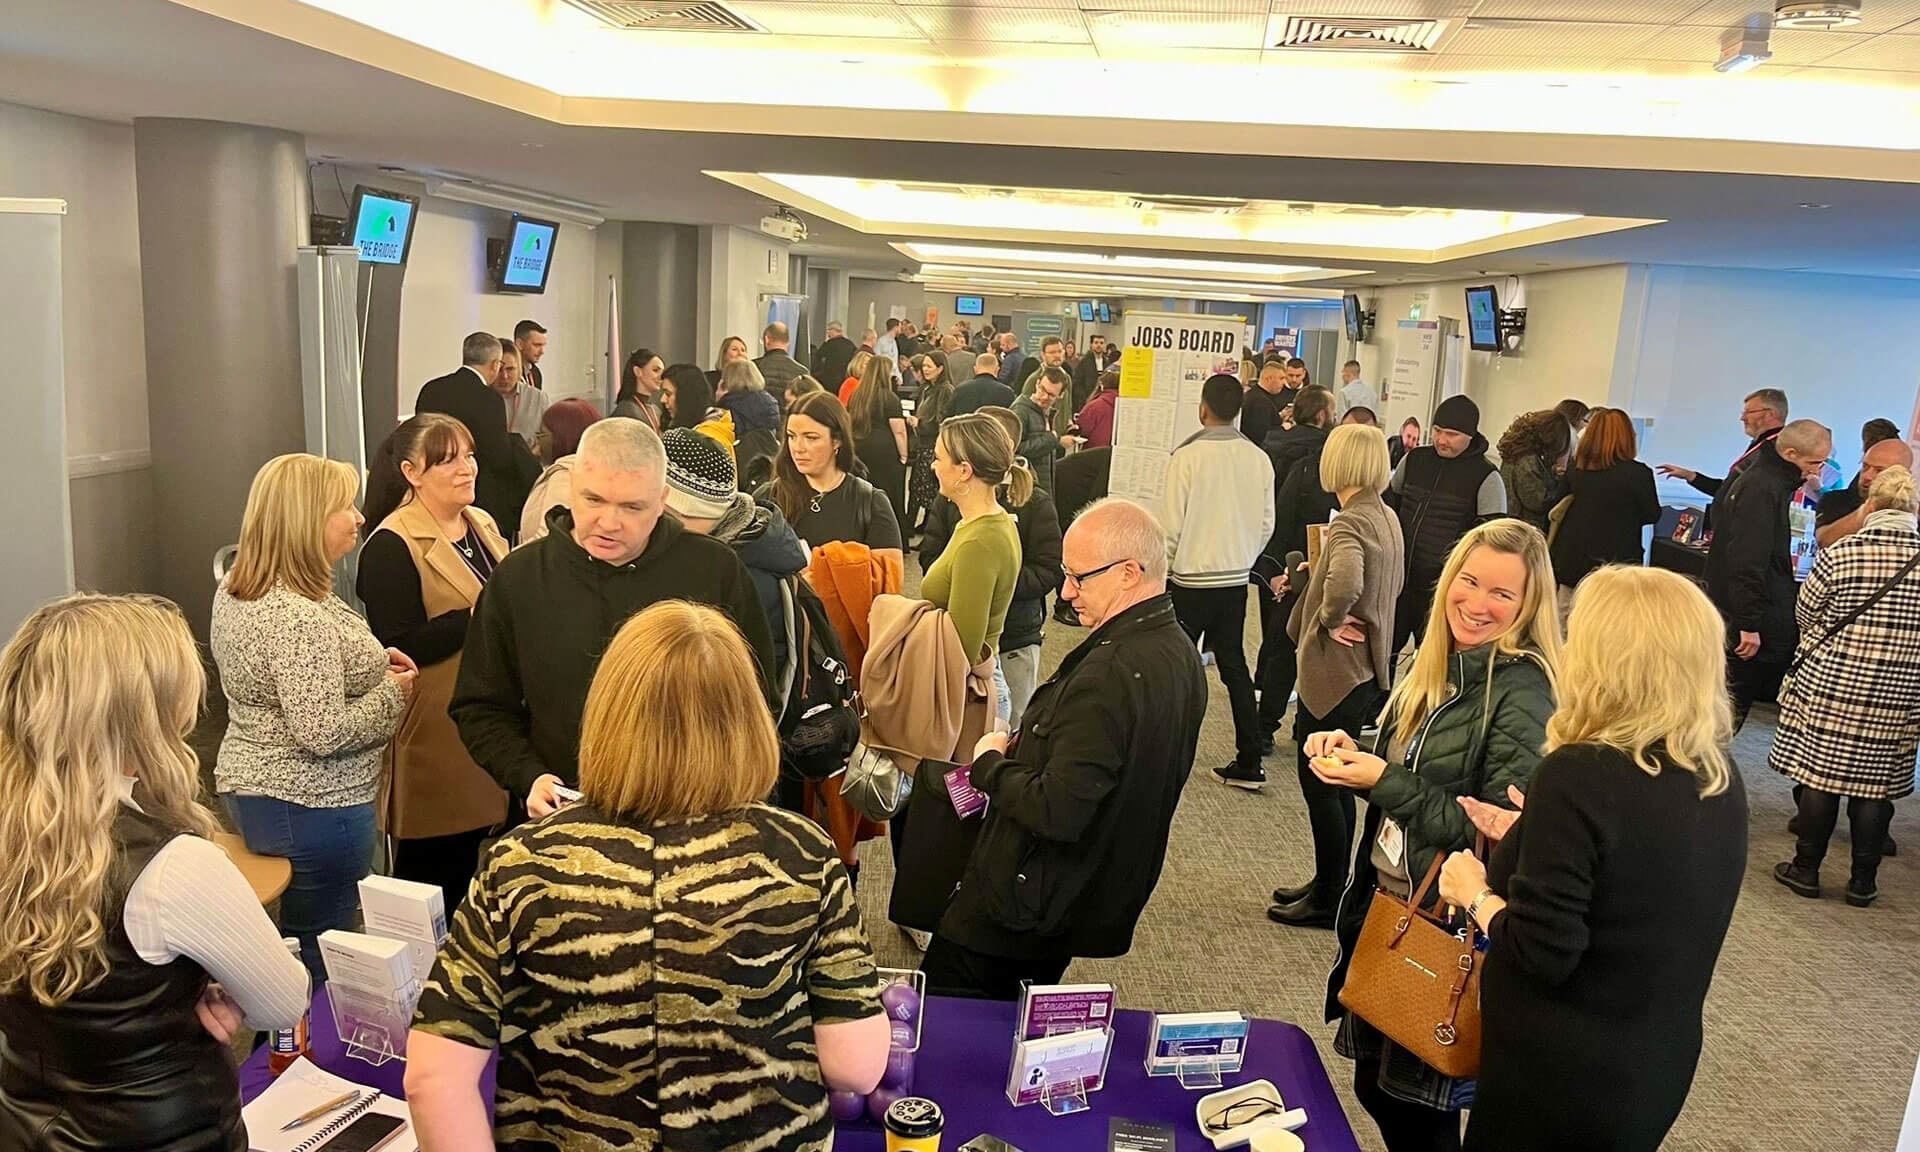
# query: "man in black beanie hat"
{"points": [[1440, 491]]}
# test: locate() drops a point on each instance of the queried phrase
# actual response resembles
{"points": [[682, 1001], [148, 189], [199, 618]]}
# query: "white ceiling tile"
{"points": [[789, 18], [1401, 9], [1062, 5], [1506, 64], [1599, 11], [1218, 7], [1875, 15], [952, 22], [1342, 58], [1179, 29], [1562, 39], [1697, 43], [1889, 53]]}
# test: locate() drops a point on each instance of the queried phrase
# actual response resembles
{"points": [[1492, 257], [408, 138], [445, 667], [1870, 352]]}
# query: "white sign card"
{"points": [[1166, 359]]}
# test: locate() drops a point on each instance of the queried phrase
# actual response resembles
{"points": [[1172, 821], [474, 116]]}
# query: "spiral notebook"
{"points": [[304, 1087]]}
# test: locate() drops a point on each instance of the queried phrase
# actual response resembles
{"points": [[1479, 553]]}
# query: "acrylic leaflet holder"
{"points": [[1199, 1049], [1058, 1061], [372, 1026]]}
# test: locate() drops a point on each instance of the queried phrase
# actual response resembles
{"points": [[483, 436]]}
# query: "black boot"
{"points": [[1867, 820], [1289, 895], [1314, 910], [1814, 824]]}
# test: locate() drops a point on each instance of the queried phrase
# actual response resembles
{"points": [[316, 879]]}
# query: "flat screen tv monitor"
{"points": [[1106, 313], [969, 305], [382, 224], [529, 258], [1086, 311], [1356, 318], [1483, 319]]}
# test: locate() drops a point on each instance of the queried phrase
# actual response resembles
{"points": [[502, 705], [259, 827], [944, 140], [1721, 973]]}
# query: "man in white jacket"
{"points": [[1218, 510]]}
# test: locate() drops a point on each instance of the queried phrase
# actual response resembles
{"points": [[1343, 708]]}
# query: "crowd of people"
{"points": [[635, 640]]}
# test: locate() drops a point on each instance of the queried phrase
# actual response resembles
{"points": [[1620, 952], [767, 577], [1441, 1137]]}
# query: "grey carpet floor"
{"points": [[1812, 1025]]}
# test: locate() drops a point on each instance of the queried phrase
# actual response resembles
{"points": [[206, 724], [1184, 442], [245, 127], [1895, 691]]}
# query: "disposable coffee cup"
{"points": [[914, 1124]]}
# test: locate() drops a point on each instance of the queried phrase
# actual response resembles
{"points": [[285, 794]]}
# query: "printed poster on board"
{"points": [[1165, 359]]}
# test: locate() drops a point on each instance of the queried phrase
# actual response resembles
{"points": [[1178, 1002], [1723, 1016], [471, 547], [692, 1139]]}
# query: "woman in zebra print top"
{"points": [[667, 963]]}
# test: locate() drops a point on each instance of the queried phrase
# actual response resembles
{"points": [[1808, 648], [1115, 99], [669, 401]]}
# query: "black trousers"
{"points": [[1868, 820], [1331, 808], [446, 861], [1750, 680], [1406, 1127], [1278, 662], [956, 970], [1220, 616], [1412, 609]]}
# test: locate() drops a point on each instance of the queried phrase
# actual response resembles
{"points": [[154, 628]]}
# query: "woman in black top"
{"points": [[1606, 903], [936, 393], [1613, 501], [421, 570], [815, 486], [880, 434]]}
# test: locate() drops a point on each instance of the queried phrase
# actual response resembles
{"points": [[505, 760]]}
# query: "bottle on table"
{"points": [[285, 1045]]}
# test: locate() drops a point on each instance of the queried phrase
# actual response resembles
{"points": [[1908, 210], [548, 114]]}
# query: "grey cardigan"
{"points": [[309, 704], [1362, 566]]}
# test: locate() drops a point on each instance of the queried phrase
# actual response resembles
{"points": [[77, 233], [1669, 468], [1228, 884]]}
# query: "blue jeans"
{"points": [[1004, 705], [331, 849]]}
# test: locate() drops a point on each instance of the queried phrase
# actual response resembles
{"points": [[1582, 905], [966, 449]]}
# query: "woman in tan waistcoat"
{"points": [[421, 570]]}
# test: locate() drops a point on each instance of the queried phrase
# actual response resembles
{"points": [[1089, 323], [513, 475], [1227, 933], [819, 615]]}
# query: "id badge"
{"points": [[1393, 842]]}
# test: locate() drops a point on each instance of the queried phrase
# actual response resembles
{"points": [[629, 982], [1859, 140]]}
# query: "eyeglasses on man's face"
{"points": [[1082, 577]]}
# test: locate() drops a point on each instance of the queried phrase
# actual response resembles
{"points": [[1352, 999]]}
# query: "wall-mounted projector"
{"points": [[784, 225]]}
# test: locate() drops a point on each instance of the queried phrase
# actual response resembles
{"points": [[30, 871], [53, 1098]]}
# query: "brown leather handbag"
{"points": [[1417, 982]]}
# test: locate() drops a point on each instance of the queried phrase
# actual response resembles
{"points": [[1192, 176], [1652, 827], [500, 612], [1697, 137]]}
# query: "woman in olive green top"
{"points": [[974, 578]]}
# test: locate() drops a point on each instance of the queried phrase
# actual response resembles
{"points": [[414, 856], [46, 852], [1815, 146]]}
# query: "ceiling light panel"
{"points": [[1256, 227], [1057, 26], [1215, 7], [1119, 262], [1595, 11], [1126, 280]]}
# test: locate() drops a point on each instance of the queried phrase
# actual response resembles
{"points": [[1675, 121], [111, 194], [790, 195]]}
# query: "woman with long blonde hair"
{"points": [[1606, 904], [1468, 719], [715, 943], [312, 697], [116, 909]]}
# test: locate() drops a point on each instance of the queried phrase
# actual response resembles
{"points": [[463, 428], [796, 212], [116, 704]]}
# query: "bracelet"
{"points": [[1473, 909]]}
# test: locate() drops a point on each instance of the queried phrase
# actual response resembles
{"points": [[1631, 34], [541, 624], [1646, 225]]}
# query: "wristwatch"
{"points": [[1473, 909]]}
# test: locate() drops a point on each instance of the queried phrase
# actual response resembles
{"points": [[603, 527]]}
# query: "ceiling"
{"points": [[1734, 199]]}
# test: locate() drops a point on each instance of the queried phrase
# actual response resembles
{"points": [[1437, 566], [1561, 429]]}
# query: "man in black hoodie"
{"points": [[551, 608], [1440, 491]]}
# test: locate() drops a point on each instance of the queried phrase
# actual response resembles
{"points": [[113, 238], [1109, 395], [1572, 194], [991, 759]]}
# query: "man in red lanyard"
{"points": [[1763, 416]]}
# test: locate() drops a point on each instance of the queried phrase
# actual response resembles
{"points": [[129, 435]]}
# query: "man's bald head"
{"points": [[1115, 556], [1882, 456]]}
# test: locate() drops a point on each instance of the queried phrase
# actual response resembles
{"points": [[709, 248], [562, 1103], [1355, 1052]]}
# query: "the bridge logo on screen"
{"points": [[382, 234], [528, 263]]}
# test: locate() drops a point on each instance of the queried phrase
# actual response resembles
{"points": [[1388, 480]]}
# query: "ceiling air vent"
{"points": [[666, 15], [1193, 205], [1357, 33]]}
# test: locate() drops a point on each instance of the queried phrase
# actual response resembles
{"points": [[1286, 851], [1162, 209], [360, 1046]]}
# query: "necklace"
{"points": [[813, 505], [465, 548]]}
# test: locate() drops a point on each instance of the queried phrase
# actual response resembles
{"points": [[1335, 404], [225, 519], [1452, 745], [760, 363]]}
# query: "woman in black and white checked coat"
{"points": [[1850, 713]]}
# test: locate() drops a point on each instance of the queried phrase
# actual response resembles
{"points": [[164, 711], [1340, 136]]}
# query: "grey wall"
{"points": [[659, 289], [113, 532], [33, 437], [223, 207]]}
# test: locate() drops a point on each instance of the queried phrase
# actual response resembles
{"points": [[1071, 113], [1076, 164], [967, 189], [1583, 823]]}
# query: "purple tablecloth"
{"points": [[963, 1065]]}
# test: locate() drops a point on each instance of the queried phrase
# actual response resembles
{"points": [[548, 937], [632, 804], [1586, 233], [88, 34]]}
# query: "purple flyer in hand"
{"points": [[967, 800]]}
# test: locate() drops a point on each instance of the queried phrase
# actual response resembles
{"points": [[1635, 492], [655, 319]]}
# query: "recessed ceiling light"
{"points": [[1816, 14], [1814, 206]]}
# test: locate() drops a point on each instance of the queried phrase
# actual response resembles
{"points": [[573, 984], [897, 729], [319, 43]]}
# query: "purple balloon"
{"points": [[900, 1001], [846, 1107], [899, 1072], [881, 1099], [900, 1034]]}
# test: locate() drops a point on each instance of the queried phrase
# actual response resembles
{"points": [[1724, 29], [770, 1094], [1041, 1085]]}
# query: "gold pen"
{"points": [[331, 1105]]}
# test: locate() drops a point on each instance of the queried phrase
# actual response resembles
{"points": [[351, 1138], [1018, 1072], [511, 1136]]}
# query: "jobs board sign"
{"points": [[1164, 361]]}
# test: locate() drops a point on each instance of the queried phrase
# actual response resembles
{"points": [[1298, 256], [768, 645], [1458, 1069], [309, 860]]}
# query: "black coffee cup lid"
{"points": [[915, 1116]]}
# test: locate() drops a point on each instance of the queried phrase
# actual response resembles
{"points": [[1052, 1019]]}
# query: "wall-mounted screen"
{"points": [[1106, 313], [1086, 311], [382, 224], [969, 305], [529, 257], [1356, 318], [1483, 319]]}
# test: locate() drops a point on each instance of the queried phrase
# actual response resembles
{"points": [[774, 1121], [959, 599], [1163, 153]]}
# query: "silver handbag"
{"points": [[873, 783]]}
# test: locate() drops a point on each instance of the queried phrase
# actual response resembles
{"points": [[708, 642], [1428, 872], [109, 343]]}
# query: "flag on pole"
{"points": [[613, 344]]}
